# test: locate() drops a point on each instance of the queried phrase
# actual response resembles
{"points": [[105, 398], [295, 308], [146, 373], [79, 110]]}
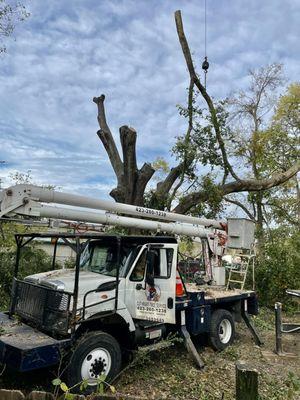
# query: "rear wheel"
{"points": [[222, 330], [96, 354]]}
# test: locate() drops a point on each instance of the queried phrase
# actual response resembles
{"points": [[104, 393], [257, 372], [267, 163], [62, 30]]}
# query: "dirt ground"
{"points": [[167, 372]]}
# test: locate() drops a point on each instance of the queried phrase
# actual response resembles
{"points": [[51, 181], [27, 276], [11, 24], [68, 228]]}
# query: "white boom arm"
{"points": [[27, 200], [19, 193]]}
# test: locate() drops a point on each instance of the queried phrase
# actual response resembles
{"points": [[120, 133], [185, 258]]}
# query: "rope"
{"points": [[205, 30], [205, 64]]}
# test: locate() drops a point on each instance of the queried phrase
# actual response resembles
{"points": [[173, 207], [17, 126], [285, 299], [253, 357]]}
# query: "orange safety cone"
{"points": [[179, 285]]}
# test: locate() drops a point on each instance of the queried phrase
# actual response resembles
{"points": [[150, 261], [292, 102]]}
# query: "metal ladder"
{"points": [[239, 276]]}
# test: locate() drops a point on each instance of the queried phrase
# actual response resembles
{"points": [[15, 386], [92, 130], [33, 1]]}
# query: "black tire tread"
{"points": [[217, 317], [86, 343]]}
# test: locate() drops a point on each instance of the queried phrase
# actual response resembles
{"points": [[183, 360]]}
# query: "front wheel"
{"points": [[96, 354], [222, 330]]}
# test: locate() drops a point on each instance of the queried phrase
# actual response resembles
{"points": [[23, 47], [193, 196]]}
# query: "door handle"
{"points": [[170, 302], [139, 286]]}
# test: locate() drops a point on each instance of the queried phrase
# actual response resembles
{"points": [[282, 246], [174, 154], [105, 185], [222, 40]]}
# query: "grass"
{"points": [[169, 373]]}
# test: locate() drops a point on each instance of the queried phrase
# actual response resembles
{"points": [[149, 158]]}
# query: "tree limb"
{"points": [[131, 180], [245, 185], [163, 187], [202, 89], [128, 142], [186, 141], [144, 176], [241, 205], [107, 139]]}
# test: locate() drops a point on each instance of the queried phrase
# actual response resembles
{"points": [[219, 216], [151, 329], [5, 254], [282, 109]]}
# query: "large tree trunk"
{"points": [[131, 181]]}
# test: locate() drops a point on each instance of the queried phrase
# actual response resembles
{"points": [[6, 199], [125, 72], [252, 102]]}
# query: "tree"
{"points": [[182, 190], [282, 143], [10, 15]]}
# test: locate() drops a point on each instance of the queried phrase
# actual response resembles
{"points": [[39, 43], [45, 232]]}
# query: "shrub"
{"points": [[33, 260], [279, 267]]}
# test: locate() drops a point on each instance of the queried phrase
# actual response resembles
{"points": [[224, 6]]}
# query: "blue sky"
{"points": [[69, 51]]}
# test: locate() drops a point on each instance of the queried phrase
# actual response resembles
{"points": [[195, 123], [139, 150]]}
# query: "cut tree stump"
{"points": [[246, 382]]}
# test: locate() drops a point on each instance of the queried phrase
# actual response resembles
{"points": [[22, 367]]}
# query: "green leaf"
{"points": [[64, 387], [112, 389], [101, 378], [100, 388], [70, 396], [84, 385], [56, 382]]}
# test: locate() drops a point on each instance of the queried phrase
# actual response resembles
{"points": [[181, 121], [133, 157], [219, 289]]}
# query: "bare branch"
{"points": [[107, 139], [206, 97], [128, 142], [241, 205], [163, 187], [144, 176], [131, 180], [186, 142]]}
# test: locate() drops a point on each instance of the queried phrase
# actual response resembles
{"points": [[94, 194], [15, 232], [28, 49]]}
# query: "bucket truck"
{"points": [[123, 292]]}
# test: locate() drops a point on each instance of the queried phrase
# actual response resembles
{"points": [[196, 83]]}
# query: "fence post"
{"points": [[11, 395], [37, 395], [246, 382], [278, 325]]}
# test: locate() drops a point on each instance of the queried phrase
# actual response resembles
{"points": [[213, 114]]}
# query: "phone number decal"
{"points": [[149, 211]]}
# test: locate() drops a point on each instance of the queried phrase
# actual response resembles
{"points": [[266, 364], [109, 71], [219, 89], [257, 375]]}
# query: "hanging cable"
{"points": [[205, 29], [205, 64]]}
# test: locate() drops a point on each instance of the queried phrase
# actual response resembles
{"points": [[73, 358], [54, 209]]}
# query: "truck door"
{"points": [[148, 297]]}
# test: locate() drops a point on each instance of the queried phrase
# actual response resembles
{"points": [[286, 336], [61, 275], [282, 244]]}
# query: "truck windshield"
{"points": [[103, 259]]}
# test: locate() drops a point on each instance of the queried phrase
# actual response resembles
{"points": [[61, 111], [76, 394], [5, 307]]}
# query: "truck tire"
{"points": [[222, 330], [97, 353]]}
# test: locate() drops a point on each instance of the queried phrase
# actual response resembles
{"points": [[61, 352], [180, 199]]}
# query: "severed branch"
{"points": [[131, 180], [201, 88], [128, 142], [107, 139]]}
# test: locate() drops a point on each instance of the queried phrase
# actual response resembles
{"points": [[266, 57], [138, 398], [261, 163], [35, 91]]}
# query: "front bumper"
{"points": [[24, 348]]}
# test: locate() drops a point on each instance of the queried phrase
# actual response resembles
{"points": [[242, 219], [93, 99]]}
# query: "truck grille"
{"points": [[40, 305]]}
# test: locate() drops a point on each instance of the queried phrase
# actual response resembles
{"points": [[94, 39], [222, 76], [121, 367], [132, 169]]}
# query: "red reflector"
{"points": [[179, 285]]}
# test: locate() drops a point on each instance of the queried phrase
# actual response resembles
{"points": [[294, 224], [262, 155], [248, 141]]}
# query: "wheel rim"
{"points": [[225, 331], [96, 363]]}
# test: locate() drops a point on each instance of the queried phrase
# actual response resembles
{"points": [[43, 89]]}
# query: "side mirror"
{"points": [[106, 286], [150, 262]]}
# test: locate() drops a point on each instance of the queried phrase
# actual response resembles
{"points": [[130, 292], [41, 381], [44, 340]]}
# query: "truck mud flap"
{"points": [[23, 348]]}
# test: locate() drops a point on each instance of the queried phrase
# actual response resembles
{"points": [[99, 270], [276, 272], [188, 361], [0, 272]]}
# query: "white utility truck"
{"points": [[123, 292]]}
